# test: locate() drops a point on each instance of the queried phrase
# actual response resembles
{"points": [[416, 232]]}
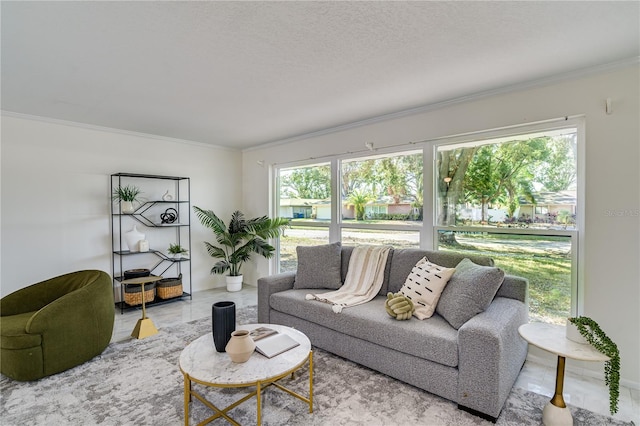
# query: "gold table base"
{"points": [[144, 327], [260, 386]]}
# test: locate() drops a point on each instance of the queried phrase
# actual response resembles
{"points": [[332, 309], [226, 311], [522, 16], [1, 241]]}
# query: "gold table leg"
{"points": [[555, 412], [144, 327], [557, 399], [187, 399], [189, 393]]}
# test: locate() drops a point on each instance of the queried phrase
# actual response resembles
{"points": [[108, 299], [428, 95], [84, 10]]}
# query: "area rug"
{"points": [[138, 382]]}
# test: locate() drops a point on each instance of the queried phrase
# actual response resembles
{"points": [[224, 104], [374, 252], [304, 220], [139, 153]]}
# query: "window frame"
{"points": [[576, 235], [428, 229]]}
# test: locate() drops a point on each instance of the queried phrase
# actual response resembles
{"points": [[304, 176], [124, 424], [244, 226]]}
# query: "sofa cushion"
{"points": [[424, 286], [469, 292], [318, 267], [433, 339]]}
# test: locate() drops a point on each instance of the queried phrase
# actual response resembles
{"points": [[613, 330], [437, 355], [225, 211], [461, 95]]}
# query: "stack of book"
{"points": [[270, 342]]}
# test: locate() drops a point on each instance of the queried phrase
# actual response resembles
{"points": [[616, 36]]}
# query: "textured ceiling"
{"points": [[241, 74]]}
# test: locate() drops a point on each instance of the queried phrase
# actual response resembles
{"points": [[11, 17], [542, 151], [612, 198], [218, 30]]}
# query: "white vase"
{"points": [[573, 334], [133, 238], [240, 346], [234, 283], [127, 207]]}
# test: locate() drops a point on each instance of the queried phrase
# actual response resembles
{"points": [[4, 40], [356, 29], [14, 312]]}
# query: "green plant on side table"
{"points": [[591, 331], [126, 195], [177, 250], [238, 241]]}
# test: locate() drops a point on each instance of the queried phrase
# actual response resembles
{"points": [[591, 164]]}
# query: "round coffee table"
{"points": [[201, 363], [552, 338]]}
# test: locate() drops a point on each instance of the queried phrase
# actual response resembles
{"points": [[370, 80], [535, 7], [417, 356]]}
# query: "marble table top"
{"points": [[203, 363], [552, 338]]}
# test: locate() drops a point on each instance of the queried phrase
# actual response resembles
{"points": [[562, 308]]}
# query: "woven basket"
{"points": [[168, 288], [133, 294]]}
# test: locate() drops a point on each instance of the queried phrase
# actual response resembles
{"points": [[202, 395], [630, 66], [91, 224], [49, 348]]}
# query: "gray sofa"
{"points": [[475, 365]]}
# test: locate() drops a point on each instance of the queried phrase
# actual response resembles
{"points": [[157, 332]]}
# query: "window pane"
{"points": [[305, 193], [526, 181], [398, 239], [299, 236], [545, 261], [382, 189]]}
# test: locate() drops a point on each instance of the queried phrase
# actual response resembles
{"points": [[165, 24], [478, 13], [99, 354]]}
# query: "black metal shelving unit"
{"points": [[147, 214]]}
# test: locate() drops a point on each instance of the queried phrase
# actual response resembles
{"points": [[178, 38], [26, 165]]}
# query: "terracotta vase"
{"points": [[241, 346]]}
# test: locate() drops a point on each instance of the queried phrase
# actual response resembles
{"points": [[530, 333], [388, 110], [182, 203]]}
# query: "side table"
{"points": [[552, 338], [144, 327]]}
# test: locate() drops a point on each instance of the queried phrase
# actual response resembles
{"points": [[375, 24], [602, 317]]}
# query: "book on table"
{"points": [[261, 333], [275, 344]]}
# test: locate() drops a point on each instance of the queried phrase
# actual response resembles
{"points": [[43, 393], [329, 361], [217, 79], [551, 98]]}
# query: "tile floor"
{"points": [[539, 377]]}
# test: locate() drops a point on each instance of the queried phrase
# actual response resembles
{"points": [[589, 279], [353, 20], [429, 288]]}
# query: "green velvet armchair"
{"points": [[56, 324]]}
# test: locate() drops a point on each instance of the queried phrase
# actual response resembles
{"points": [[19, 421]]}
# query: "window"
{"points": [[513, 195], [382, 189], [304, 196], [515, 199]]}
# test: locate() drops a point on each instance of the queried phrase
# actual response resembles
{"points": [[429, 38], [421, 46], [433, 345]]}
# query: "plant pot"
{"points": [[127, 207], [241, 346], [234, 283], [573, 334]]}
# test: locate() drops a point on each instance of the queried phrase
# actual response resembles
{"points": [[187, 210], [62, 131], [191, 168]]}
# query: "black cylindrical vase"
{"points": [[223, 315]]}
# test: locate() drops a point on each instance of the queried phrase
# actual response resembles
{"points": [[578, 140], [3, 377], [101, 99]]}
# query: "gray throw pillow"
{"points": [[469, 292], [319, 267]]}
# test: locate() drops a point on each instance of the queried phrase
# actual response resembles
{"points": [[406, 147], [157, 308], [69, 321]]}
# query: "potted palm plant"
{"points": [[126, 195], [238, 241]]}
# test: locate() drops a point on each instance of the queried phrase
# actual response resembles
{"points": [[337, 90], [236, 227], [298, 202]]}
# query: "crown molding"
{"points": [[97, 128]]}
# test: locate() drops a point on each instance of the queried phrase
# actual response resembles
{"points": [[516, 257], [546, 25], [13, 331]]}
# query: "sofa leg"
{"points": [[478, 413]]}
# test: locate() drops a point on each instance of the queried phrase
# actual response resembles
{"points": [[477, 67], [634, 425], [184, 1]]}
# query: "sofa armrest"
{"points": [[491, 354], [514, 288], [269, 285]]}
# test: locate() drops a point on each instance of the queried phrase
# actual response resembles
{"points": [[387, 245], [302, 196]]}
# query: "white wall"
{"points": [[612, 249], [56, 195]]}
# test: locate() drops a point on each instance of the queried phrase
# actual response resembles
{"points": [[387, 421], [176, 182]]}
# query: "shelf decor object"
{"points": [[132, 239], [140, 237]]}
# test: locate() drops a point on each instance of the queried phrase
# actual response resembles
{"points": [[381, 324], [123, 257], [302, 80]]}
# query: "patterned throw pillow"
{"points": [[424, 286]]}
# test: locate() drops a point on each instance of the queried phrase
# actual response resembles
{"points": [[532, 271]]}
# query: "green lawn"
{"points": [[544, 261]]}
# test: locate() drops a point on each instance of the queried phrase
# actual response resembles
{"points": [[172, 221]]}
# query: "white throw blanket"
{"points": [[364, 278]]}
